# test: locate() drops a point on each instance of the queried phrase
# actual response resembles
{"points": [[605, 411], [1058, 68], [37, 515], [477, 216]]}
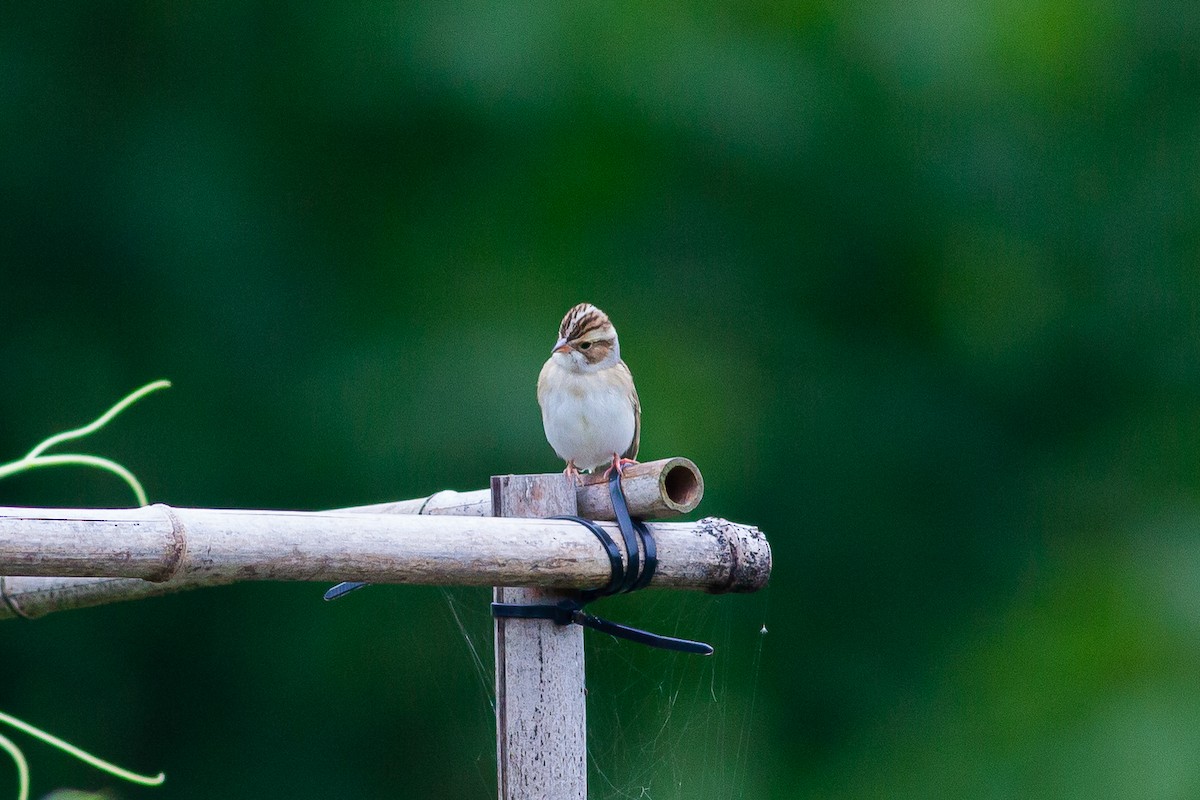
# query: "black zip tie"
{"points": [[566, 612], [643, 560]]}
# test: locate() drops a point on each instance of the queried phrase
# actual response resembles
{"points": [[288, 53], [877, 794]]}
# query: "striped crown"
{"points": [[586, 322]]}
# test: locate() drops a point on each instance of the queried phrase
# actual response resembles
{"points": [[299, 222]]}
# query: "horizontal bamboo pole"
{"points": [[205, 546], [158, 543], [32, 596], [654, 490]]}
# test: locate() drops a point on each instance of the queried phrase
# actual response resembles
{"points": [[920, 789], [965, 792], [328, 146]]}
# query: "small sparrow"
{"points": [[590, 409]]}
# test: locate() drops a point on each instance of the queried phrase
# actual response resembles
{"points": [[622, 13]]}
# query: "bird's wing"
{"points": [[543, 384], [631, 453]]}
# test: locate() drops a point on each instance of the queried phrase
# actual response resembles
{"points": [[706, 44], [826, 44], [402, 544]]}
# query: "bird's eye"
{"points": [[584, 345]]}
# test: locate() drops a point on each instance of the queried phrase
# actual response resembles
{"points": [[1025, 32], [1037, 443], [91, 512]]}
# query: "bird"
{"points": [[590, 408]]}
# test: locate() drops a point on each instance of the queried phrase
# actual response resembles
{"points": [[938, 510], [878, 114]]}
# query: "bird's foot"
{"points": [[619, 464], [572, 473]]}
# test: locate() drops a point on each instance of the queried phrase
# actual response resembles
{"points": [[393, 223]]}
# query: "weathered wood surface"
{"points": [[541, 723]]}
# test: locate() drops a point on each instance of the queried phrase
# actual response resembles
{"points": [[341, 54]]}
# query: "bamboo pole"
{"points": [[159, 543], [33, 596], [654, 489], [205, 546], [541, 710]]}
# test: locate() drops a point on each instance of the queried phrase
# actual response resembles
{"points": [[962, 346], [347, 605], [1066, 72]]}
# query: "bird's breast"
{"points": [[586, 417]]}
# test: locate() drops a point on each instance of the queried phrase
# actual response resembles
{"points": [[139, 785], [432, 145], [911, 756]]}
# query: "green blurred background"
{"points": [[914, 283]]}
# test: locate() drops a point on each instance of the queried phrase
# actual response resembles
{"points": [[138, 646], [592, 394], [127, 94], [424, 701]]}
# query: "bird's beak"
{"points": [[560, 346]]}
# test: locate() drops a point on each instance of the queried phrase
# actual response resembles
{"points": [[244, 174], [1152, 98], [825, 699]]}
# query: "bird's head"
{"points": [[587, 341]]}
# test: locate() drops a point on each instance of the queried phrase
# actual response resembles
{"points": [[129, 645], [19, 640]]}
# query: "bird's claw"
{"points": [[619, 464]]}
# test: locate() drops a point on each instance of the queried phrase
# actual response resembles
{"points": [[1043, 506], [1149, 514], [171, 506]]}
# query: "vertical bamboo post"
{"points": [[541, 723]]}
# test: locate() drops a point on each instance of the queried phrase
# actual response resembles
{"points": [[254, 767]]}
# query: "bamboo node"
{"points": [[178, 552], [11, 601]]}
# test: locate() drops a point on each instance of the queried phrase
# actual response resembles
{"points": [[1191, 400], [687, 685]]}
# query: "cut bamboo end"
{"points": [[654, 490]]}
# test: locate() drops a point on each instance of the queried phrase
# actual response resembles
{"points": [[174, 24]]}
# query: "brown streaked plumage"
{"points": [[583, 318]]}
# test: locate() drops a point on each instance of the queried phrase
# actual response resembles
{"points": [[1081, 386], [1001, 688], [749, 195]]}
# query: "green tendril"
{"points": [[35, 458], [22, 766], [70, 749]]}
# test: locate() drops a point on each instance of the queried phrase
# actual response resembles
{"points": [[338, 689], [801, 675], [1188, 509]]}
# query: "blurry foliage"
{"points": [[914, 283]]}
